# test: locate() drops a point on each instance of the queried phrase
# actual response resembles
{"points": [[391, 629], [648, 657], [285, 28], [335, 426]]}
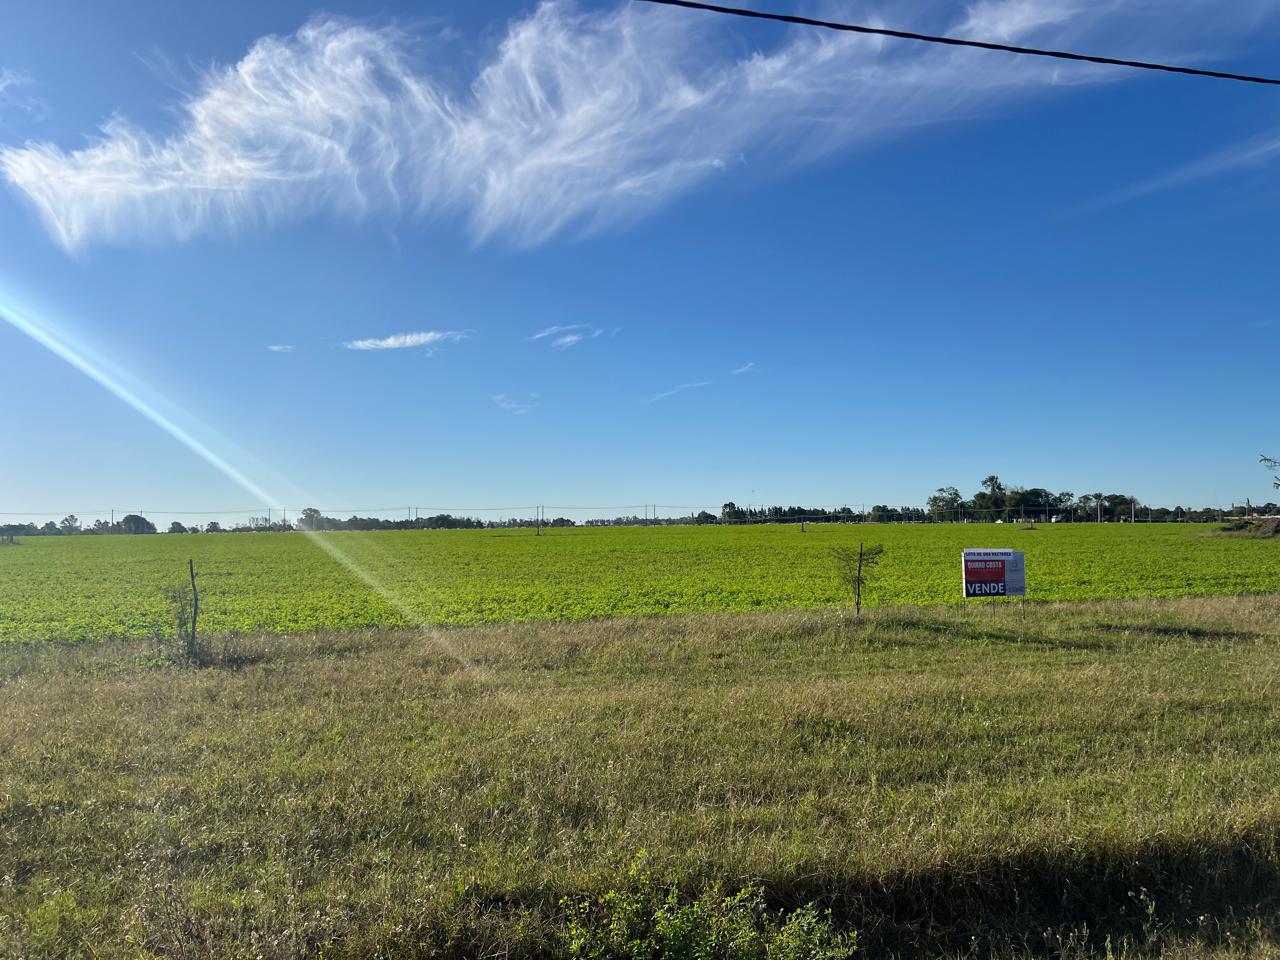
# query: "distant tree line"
{"points": [[994, 501], [70, 525], [309, 519], [634, 521], [313, 520], [732, 513]]}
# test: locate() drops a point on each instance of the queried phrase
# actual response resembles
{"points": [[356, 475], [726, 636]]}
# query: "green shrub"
{"points": [[646, 922]]}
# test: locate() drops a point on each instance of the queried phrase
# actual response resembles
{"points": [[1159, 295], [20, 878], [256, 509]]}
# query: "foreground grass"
{"points": [[1055, 780]]}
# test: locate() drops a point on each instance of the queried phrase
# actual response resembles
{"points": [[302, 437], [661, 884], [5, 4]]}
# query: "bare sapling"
{"points": [[853, 567], [184, 603]]}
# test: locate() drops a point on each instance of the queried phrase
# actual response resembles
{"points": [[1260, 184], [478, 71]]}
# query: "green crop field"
{"points": [[83, 588]]}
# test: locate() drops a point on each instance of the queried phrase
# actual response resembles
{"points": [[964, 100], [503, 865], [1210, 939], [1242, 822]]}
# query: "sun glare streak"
{"points": [[97, 371], [112, 380]]}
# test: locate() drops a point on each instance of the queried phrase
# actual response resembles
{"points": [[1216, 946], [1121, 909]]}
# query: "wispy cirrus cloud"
{"points": [[745, 368], [16, 95], [680, 388], [565, 336], [404, 341], [1257, 153], [516, 405], [1005, 20], [281, 348], [578, 119]]}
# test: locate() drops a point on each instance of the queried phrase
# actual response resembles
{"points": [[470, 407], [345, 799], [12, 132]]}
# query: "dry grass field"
{"points": [[1083, 779]]}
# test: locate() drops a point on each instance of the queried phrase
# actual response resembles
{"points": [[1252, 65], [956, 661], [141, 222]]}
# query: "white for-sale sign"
{"points": [[994, 573]]}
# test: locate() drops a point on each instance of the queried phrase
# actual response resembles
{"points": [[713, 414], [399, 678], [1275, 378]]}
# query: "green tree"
{"points": [[69, 524], [311, 519], [945, 503], [992, 499], [133, 523], [1099, 500]]}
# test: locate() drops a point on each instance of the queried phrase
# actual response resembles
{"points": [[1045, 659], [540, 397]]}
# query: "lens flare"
{"points": [[127, 389]]}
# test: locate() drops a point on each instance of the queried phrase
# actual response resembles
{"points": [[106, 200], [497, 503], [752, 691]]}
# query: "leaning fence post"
{"points": [[195, 599], [857, 592]]}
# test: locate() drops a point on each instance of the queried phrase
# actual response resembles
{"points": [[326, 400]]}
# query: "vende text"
{"points": [[987, 589]]}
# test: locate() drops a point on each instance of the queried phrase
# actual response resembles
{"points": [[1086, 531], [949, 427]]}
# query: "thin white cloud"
{"points": [[1257, 153], [515, 404], [281, 348], [568, 335], [681, 388], [1005, 20], [402, 341], [745, 368], [16, 96], [552, 331], [578, 119]]}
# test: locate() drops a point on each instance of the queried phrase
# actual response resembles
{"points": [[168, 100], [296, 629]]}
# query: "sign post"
{"points": [[994, 573]]}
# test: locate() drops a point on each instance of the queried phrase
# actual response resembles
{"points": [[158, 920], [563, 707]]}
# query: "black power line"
{"points": [[957, 42]]}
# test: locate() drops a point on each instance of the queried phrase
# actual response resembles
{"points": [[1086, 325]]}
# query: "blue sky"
{"points": [[608, 254]]}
